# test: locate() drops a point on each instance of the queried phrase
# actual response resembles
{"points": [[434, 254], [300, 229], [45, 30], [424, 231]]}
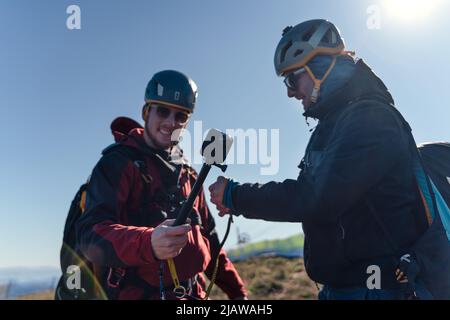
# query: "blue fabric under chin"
{"points": [[339, 76]]}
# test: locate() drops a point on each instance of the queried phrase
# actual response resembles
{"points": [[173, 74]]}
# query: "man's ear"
{"points": [[145, 110]]}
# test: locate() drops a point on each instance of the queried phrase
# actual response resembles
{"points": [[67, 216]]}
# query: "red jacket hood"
{"points": [[128, 132]]}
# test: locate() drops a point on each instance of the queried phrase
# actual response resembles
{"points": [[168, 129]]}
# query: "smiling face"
{"points": [[162, 126], [302, 90]]}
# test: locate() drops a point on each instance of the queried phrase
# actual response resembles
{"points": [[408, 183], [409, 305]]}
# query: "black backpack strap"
{"points": [[75, 211]]}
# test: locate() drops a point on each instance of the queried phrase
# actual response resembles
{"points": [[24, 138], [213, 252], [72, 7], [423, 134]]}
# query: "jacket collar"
{"points": [[364, 83]]}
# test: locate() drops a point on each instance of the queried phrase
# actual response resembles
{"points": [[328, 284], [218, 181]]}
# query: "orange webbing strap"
{"points": [[349, 52], [318, 82], [179, 290], [427, 209], [83, 201]]}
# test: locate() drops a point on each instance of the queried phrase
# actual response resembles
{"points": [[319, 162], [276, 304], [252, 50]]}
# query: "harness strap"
{"points": [[179, 290]]}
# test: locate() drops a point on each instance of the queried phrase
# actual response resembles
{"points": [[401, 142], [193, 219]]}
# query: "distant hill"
{"points": [[290, 247], [27, 274], [18, 281]]}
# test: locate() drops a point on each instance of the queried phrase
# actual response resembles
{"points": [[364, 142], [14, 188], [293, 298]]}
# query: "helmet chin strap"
{"points": [[317, 83]]}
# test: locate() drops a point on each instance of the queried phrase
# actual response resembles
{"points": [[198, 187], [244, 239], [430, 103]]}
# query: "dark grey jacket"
{"points": [[357, 157]]}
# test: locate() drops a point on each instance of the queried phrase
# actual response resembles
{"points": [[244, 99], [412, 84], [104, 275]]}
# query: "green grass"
{"points": [[293, 242]]}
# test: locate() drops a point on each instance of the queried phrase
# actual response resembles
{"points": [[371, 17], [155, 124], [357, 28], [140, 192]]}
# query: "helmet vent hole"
{"points": [[328, 38], [309, 34], [284, 50], [298, 52]]}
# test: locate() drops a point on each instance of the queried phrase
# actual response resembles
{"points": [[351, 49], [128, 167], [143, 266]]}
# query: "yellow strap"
{"points": [[329, 70], [179, 290], [173, 273], [317, 82]]}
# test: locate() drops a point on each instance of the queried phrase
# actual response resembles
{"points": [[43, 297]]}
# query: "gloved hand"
{"points": [[406, 273]]}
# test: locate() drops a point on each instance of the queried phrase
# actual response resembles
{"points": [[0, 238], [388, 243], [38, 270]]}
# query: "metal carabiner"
{"points": [[180, 292]]}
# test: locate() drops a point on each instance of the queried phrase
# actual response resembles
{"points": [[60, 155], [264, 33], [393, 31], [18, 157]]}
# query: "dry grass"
{"points": [[45, 295], [271, 278]]}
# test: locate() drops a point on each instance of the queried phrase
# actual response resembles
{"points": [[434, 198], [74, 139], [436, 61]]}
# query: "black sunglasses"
{"points": [[164, 113], [291, 79]]}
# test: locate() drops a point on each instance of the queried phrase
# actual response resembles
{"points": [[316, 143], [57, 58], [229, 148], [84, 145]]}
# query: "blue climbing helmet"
{"points": [[173, 89]]}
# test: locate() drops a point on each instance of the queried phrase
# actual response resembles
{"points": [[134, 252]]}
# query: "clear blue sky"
{"points": [[60, 90]]}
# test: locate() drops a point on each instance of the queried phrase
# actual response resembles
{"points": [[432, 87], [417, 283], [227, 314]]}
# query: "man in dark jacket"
{"points": [[133, 196], [357, 168]]}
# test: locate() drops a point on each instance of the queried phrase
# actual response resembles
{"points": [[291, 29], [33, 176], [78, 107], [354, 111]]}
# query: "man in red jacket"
{"points": [[131, 202]]}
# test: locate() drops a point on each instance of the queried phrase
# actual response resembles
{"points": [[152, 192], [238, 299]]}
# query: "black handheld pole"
{"points": [[214, 155], [187, 206], [214, 149]]}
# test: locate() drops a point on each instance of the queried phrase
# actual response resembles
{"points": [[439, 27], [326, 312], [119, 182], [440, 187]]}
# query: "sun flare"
{"points": [[411, 9]]}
